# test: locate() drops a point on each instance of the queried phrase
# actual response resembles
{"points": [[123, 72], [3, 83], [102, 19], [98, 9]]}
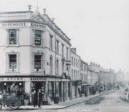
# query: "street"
{"points": [[106, 103], [110, 103]]}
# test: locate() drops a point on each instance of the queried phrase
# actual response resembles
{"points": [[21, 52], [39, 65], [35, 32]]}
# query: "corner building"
{"points": [[34, 54]]}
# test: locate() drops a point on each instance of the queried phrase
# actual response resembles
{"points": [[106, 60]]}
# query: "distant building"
{"points": [[75, 73], [107, 78], [84, 77]]}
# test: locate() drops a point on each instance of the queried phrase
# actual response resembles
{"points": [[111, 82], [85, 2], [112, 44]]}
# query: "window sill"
{"points": [[40, 46], [40, 71], [12, 72], [17, 45]]}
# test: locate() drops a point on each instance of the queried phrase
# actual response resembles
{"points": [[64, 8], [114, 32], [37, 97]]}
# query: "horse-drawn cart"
{"points": [[12, 101]]}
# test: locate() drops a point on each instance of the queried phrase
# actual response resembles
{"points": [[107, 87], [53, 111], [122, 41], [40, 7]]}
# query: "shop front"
{"points": [[85, 89], [24, 86]]}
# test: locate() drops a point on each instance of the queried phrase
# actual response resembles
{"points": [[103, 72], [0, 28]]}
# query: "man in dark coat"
{"points": [[34, 98], [39, 97]]}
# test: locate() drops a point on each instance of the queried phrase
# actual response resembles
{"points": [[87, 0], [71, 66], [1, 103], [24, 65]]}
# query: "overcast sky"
{"points": [[99, 29]]}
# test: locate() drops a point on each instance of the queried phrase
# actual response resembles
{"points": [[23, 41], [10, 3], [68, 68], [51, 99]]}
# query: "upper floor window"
{"points": [[51, 42], [67, 50], [63, 50], [37, 62], [57, 46], [51, 65], [38, 36], [12, 36], [57, 67], [72, 60], [12, 62]]}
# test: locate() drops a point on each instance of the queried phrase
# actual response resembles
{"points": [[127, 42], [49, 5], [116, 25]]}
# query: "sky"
{"points": [[99, 29]]}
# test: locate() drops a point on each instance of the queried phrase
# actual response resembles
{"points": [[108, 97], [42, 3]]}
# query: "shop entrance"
{"points": [[37, 86]]}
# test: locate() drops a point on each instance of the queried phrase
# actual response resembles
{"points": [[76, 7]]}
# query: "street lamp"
{"points": [[5, 84], [20, 84]]}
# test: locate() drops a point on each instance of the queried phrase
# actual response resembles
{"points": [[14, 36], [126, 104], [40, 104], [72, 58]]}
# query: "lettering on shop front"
{"points": [[37, 25], [37, 79], [13, 24], [11, 79], [14, 79]]}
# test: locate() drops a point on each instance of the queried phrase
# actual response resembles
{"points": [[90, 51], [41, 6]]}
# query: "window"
{"points": [[51, 65], [12, 36], [67, 52], [37, 62], [57, 67], [57, 46], [12, 62], [72, 60], [38, 35], [63, 50], [62, 67], [51, 42]]}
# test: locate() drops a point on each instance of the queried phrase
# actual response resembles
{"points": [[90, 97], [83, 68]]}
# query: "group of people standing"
{"points": [[37, 97]]}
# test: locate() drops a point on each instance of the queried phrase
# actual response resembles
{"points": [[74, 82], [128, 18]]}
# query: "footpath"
{"points": [[65, 104]]}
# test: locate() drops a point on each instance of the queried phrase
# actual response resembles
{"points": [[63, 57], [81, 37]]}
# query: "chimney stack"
{"points": [[44, 11], [29, 7]]}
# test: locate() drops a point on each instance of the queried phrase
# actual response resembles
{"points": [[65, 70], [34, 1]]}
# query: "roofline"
{"points": [[57, 27], [12, 12], [84, 62], [75, 53]]}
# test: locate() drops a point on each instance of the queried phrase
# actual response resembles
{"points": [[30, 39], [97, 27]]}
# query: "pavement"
{"points": [[65, 104], [62, 105]]}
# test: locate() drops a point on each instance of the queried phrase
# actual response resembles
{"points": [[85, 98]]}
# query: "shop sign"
{"points": [[11, 79], [38, 79], [20, 24], [37, 25]]}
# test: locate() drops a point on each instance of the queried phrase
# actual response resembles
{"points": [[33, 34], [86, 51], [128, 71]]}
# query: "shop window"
{"points": [[37, 62], [38, 36], [12, 36], [12, 62]]}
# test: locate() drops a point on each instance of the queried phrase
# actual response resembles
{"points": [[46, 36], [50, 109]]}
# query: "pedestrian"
{"points": [[34, 97], [39, 97], [4, 98]]}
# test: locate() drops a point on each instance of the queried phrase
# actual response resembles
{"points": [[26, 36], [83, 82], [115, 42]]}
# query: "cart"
{"points": [[12, 101]]}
